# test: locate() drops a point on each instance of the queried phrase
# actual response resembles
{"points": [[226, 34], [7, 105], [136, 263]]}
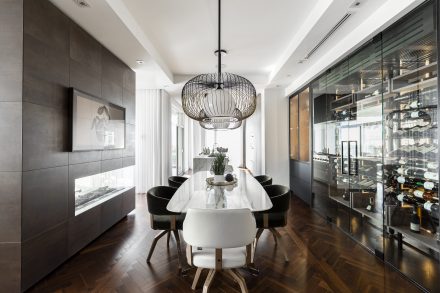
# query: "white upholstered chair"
{"points": [[219, 240]]}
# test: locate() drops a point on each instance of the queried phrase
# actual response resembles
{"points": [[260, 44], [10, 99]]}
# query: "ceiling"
{"points": [[265, 39]]}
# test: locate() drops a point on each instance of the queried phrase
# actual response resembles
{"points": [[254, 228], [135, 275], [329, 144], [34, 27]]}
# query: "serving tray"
{"points": [[210, 181]]}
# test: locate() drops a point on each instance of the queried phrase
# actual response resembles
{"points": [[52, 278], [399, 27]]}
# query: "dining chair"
{"points": [[176, 181], [219, 240], [264, 179], [276, 217], [162, 219]]}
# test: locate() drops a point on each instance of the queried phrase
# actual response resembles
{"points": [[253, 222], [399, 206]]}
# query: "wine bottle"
{"points": [[412, 105], [431, 175], [425, 194], [417, 115], [413, 172], [370, 206], [414, 225], [433, 209], [404, 197], [430, 186]]}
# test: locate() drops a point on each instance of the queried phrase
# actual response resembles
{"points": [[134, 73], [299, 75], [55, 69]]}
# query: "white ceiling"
{"points": [[265, 39]]}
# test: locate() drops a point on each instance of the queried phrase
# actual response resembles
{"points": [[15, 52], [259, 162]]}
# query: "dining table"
{"points": [[244, 192]]}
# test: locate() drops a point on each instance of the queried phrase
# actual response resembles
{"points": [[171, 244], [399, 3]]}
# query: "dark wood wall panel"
{"points": [[11, 63], [58, 54]]}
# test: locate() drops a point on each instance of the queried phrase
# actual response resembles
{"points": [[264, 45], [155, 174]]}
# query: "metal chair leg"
{"points": [[196, 278], [208, 281], [283, 248], [153, 245]]}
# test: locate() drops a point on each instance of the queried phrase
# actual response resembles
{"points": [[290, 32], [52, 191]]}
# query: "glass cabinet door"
{"points": [[323, 150], [365, 145], [339, 110], [411, 147]]}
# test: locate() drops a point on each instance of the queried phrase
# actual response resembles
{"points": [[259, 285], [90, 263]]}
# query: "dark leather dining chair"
{"points": [[264, 180], [176, 181], [162, 219], [276, 217]]}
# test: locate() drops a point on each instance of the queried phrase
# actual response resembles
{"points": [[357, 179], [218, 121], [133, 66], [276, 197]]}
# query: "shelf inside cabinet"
{"points": [[340, 200], [417, 86], [405, 82], [423, 237], [372, 215], [342, 103]]}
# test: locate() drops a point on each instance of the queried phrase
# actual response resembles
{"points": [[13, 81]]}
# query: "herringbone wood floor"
{"points": [[322, 259]]}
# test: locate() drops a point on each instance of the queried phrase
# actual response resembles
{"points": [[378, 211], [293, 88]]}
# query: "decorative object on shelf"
{"points": [[218, 167], [219, 100], [222, 150], [205, 151], [229, 177]]}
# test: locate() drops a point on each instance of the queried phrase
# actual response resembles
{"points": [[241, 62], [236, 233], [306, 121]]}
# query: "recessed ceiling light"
{"points": [[139, 61], [82, 3]]}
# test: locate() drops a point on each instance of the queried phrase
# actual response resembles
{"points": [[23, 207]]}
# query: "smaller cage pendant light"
{"points": [[219, 100]]}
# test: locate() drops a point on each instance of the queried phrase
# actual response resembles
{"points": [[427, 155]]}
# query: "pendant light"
{"points": [[219, 100]]}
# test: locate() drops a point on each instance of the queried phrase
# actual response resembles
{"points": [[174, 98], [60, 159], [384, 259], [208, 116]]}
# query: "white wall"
{"points": [[254, 140], [276, 135]]}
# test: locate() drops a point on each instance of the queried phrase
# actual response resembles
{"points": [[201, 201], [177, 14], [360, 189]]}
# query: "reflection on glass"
{"points": [[93, 190]]}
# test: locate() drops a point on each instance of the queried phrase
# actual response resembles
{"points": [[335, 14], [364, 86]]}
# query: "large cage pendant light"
{"points": [[219, 100]]}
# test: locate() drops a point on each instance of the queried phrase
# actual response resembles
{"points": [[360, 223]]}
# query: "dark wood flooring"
{"points": [[322, 259]]}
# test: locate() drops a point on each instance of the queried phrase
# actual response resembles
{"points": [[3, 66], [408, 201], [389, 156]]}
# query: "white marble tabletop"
{"points": [[196, 193]]}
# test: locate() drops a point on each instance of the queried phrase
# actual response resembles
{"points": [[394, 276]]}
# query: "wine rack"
{"points": [[411, 153]]}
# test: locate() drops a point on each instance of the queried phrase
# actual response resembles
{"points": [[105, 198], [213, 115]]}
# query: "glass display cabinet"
{"points": [[93, 190], [375, 146]]}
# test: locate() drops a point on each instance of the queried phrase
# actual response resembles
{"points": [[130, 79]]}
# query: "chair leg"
{"points": [[168, 238], [257, 236], [283, 248], [179, 250], [196, 278], [239, 279], [153, 245], [274, 237], [208, 281]]}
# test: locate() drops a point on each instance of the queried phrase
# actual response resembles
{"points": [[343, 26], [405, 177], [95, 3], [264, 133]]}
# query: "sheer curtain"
{"points": [[153, 139]]}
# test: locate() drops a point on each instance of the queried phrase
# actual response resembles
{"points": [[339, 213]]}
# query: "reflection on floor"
{"points": [[322, 259]]}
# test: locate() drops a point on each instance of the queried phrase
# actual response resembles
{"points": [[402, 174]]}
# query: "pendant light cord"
{"points": [[219, 52]]}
